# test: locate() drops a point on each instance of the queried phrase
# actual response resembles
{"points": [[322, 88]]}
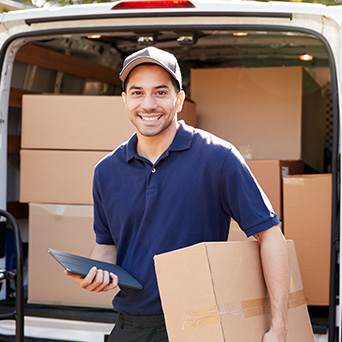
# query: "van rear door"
{"points": [[78, 51]]}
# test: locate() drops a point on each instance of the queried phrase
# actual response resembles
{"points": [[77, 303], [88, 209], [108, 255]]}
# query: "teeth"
{"points": [[150, 118]]}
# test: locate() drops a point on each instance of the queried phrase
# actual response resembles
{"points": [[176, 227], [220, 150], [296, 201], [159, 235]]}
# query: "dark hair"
{"points": [[173, 80]]}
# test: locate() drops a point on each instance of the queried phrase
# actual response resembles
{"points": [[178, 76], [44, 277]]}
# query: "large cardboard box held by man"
{"points": [[67, 228], [216, 292], [307, 221]]}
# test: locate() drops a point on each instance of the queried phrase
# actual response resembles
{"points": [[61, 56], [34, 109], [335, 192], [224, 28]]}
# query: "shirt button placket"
{"points": [[151, 187]]}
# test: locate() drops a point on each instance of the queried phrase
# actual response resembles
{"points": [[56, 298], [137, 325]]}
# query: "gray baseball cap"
{"points": [[152, 55]]}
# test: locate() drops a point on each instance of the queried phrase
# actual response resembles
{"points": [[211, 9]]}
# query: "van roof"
{"points": [[233, 7]]}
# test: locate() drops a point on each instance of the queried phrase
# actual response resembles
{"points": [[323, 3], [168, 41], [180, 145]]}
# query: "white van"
{"points": [[265, 76]]}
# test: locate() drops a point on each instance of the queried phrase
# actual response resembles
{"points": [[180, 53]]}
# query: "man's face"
{"points": [[151, 100]]}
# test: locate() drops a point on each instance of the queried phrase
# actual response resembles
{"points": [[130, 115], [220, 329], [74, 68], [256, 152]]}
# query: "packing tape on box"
{"points": [[294, 180], [60, 209], [236, 310], [296, 299]]}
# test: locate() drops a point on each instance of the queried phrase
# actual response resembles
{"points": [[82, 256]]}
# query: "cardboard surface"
{"points": [[262, 111], [57, 176], [188, 113], [216, 292], [269, 174], [80, 122], [67, 228], [236, 234], [307, 221]]}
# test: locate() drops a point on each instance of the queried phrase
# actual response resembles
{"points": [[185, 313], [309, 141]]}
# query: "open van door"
{"points": [[76, 53]]}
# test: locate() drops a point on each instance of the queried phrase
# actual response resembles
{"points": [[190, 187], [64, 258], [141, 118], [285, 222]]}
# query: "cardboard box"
{"points": [[57, 176], [80, 122], [267, 113], [188, 113], [67, 228], [270, 173], [236, 234], [307, 221], [216, 292]]}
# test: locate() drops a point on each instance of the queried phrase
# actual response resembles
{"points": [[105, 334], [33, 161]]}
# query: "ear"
{"points": [[123, 95], [180, 101]]}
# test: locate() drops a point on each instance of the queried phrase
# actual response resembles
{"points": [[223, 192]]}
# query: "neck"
{"points": [[153, 147]]}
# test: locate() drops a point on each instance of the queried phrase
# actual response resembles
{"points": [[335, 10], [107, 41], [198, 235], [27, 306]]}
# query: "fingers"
{"points": [[96, 280], [106, 281], [76, 277]]}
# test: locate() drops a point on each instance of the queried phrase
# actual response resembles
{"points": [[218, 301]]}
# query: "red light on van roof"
{"points": [[152, 4]]}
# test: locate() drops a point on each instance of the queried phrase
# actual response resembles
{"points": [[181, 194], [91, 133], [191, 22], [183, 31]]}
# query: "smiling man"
{"points": [[168, 187], [152, 105]]}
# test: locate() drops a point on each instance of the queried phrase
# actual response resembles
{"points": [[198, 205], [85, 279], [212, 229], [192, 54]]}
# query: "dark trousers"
{"points": [[139, 329]]}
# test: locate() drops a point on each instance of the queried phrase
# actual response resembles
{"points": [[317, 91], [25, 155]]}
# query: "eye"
{"points": [[161, 92], [136, 93]]}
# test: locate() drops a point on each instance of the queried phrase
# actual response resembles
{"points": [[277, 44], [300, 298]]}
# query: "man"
{"points": [[168, 187]]}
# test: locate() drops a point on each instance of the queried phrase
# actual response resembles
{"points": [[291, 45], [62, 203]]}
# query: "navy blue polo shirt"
{"points": [[188, 196]]}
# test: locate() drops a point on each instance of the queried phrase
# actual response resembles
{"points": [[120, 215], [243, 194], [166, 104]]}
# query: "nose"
{"points": [[149, 103]]}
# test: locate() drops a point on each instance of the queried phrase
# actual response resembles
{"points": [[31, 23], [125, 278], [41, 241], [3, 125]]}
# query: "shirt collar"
{"points": [[182, 141]]}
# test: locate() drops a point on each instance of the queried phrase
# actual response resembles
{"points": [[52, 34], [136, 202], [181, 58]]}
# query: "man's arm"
{"points": [[275, 263], [99, 280]]}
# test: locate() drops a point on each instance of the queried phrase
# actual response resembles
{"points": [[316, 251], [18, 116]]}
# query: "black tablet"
{"points": [[81, 266]]}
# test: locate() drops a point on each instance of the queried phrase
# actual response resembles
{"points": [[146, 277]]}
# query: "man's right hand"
{"points": [[96, 280]]}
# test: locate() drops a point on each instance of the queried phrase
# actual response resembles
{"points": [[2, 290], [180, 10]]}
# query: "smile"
{"points": [[150, 118]]}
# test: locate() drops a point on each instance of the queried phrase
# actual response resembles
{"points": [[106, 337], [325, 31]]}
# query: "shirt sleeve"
{"points": [[242, 197], [101, 227]]}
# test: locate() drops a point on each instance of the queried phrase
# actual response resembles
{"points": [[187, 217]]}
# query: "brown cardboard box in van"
{"points": [[269, 174], [216, 292], [307, 221], [67, 228], [267, 113], [49, 176], [80, 122]]}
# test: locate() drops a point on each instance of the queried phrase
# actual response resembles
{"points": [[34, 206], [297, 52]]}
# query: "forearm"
{"points": [[275, 263], [105, 253]]}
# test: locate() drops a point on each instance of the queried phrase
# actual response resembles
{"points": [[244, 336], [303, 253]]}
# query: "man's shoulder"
{"points": [[210, 141], [113, 157], [212, 148]]}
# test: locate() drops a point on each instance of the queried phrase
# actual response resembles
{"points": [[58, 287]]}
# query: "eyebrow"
{"points": [[133, 87]]}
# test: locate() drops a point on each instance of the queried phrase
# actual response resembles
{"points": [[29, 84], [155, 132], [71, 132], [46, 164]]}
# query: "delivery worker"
{"points": [[168, 187]]}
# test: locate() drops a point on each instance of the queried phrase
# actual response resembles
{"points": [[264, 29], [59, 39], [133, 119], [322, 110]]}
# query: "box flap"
{"points": [[185, 274]]}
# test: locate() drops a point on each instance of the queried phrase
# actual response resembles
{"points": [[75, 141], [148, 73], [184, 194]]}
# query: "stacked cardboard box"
{"points": [[216, 292], [307, 221], [58, 176], [66, 122], [270, 173], [67, 228], [267, 113], [63, 138]]}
